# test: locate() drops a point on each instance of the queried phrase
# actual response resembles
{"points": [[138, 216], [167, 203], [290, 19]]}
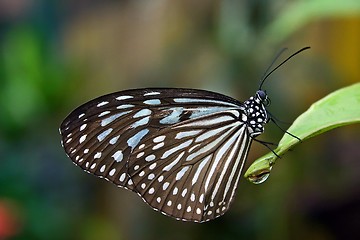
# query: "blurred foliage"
{"points": [[57, 54], [300, 13], [32, 80]]}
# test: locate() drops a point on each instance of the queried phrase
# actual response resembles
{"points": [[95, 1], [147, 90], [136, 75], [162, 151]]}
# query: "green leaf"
{"points": [[339, 108], [299, 13]]}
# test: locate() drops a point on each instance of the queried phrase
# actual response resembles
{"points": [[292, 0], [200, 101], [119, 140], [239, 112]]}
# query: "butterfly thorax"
{"points": [[257, 116]]}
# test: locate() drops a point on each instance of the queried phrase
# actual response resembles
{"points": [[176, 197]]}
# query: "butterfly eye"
{"points": [[261, 94]]}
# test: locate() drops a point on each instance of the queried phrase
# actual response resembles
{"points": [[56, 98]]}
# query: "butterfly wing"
{"points": [[181, 150]]}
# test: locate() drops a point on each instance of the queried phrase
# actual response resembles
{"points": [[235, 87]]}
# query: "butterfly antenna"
{"points": [[267, 74], [272, 64]]}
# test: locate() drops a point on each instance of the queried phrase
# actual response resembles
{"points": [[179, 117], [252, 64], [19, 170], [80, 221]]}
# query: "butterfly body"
{"points": [[181, 150]]}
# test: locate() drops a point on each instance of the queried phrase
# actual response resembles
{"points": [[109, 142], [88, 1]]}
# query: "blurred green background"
{"points": [[55, 55]]}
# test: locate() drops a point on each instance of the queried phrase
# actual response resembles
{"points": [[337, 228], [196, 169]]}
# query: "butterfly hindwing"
{"points": [[176, 169]]}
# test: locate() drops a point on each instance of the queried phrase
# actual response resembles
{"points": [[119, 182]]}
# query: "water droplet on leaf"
{"points": [[259, 176]]}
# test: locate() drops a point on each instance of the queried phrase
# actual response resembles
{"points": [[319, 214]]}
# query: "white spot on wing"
{"points": [[97, 155], [173, 163], [181, 173], [174, 117], [124, 97], [104, 134], [244, 117], [125, 106], [157, 146], [83, 126], [210, 133], [152, 166], [200, 100], [199, 112], [110, 119], [151, 93], [118, 156], [112, 172], [192, 197], [175, 149], [142, 113], [122, 177], [159, 139], [152, 102], [201, 198], [208, 122], [114, 140], [186, 134], [150, 158], [141, 122], [102, 104], [184, 192], [166, 185], [198, 170], [82, 139], [103, 113], [134, 140]]}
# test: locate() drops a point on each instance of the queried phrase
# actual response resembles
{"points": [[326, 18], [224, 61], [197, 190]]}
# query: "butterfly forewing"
{"points": [[181, 150]]}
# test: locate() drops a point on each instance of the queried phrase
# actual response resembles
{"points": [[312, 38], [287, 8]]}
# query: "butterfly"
{"points": [[181, 150]]}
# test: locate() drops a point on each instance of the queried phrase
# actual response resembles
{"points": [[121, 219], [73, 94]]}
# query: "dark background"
{"points": [[55, 55]]}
